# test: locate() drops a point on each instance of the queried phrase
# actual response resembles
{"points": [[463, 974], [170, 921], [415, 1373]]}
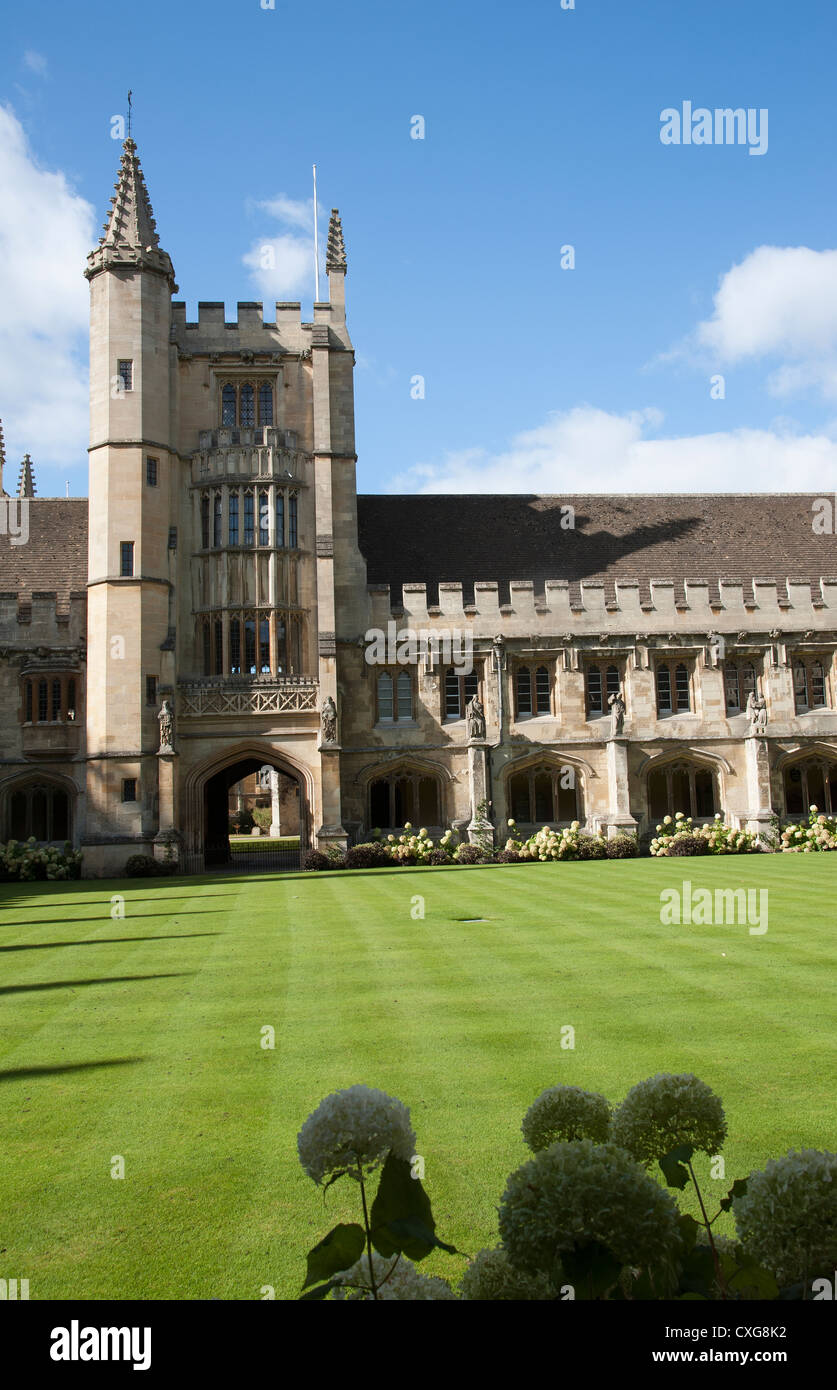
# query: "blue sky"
{"points": [[542, 130]]}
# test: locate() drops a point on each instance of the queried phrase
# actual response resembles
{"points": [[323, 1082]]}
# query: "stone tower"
{"points": [[132, 480]]}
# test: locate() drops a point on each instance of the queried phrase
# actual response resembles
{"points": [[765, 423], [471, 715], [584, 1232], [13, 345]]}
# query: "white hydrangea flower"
{"points": [[565, 1113], [396, 1279], [356, 1126], [787, 1218], [585, 1191], [491, 1277], [665, 1111]]}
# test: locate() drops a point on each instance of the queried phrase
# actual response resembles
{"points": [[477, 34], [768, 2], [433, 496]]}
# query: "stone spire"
{"points": [[336, 250], [130, 232], [26, 481]]}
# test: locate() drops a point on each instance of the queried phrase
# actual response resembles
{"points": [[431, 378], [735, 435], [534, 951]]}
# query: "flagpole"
{"points": [[316, 245]]}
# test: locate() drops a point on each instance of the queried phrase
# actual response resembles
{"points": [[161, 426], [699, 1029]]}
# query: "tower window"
{"points": [[125, 372], [217, 520], [265, 403], [247, 406], [126, 559], [151, 472], [129, 788], [292, 530], [228, 405], [248, 518], [280, 518], [205, 521], [43, 702], [264, 519], [151, 690], [233, 519]]}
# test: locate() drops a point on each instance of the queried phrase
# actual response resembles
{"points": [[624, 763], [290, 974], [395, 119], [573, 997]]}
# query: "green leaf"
{"points": [[336, 1251], [321, 1291], [747, 1278], [401, 1217], [739, 1187], [591, 1268], [672, 1165]]}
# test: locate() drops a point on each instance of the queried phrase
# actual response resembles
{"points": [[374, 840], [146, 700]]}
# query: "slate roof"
{"points": [[448, 538], [55, 556]]}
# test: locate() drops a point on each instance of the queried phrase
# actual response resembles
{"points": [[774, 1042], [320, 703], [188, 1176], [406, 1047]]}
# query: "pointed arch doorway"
{"points": [[212, 814]]}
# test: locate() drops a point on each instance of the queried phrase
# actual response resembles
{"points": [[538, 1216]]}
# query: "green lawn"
{"points": [[140, 1037]]}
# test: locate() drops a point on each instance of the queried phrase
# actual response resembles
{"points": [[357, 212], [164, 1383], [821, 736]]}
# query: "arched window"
{"points": [[739, 683], [40, 809], [405, 796], [682, 786], [810, 684], [248, 518], [228, 405], [292, 523], [545, 795], [280, 519], [233, 519], [235, 646], [264, 645], [524, 692], [265, 403], [673, 688], [811, 782], [217, 520], [247, 406], [264, 519]]}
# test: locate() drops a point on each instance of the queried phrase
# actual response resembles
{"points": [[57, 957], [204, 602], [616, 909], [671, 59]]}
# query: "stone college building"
{"points": [[221, 604]]}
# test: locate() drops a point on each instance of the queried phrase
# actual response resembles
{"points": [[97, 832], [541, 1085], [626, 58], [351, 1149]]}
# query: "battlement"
{"points": [[597, 605], [213, 334], [42, 617]]}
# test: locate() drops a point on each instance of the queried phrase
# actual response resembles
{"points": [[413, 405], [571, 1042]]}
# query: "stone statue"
{"points": [[757, 713], [617, 713], [475, 715], [328, 720], [166, 721]]}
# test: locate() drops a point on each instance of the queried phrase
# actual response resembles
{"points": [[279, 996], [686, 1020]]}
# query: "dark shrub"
{"points": [[622, 847], [508, 856], [689, 844], [145, 866], [438, 856], [314, 860], [367, 856], [472, 854], [591, 847], [241, 822]]}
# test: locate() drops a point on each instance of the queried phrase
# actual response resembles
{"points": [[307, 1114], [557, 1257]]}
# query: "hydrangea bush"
{"points": [[584, 1218], [819, 835], [714, 837], [26, 861]]}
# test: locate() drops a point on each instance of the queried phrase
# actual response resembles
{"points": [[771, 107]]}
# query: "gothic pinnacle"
{"points": [[130, 231], [336, 250]]}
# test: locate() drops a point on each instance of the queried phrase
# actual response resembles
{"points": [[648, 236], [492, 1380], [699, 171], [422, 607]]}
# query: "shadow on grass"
{"points": [[144, 916], [32, 1073], [107, 940], [104, 980]]}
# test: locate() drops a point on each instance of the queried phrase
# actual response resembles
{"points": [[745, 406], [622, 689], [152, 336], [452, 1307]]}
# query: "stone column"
{"points": [[275, 828], [618, 820], [759, 800], [480, 829], [168, 839]]}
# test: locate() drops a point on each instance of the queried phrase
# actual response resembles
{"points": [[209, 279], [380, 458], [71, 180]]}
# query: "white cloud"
{"points": [[46, 230], [590, 450], [35, 62], [281, 265], [780, 302]]}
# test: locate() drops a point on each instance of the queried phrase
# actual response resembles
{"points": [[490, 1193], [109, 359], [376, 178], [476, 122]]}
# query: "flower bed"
{"points": [[26, 861], [819, 835], [678, 835]]}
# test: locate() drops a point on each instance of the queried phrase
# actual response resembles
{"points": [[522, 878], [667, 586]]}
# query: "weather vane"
{"points": [[129, 114]]}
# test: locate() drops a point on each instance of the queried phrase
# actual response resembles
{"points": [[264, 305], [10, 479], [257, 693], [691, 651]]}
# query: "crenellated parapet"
{"points": [[250, 340]]}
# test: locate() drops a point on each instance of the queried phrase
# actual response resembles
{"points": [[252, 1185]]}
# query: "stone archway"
{"points": [[206, 829]]}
